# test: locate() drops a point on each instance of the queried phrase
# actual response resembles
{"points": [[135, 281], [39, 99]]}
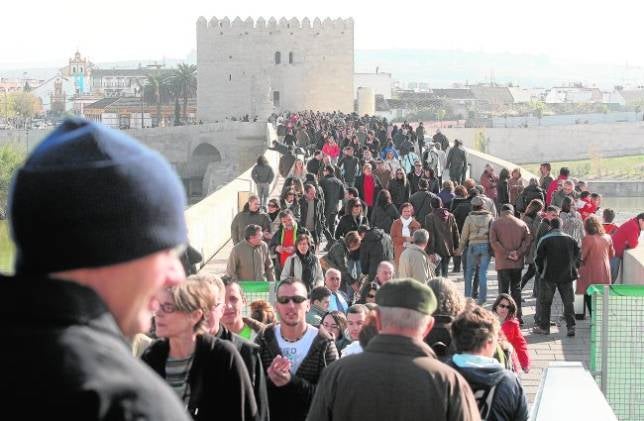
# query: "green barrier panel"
{"points": [[617, 347], [257, 290]]}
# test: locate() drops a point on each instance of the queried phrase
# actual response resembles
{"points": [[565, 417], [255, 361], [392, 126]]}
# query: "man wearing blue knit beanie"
{"points": [[97, 220]]}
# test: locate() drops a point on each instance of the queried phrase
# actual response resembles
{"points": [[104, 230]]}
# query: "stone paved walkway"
{"points": [[543, 349]]}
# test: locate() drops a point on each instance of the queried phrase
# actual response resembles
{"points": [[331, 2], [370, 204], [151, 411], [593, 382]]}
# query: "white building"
{"points": [[381, 83], [256, 68]]}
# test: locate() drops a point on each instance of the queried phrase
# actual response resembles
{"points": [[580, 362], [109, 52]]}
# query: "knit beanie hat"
{"points": [[90, 196]]}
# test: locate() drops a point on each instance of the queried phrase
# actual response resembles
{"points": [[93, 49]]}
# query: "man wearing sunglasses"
{"points": [[293, 353]]}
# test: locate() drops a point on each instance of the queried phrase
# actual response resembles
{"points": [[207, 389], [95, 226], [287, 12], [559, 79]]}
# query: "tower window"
{"points": [[278, 57], [290, 57], [276, 98], [230, 77]]}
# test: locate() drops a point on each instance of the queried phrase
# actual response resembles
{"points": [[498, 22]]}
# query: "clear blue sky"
{"points": [[50, 31]]}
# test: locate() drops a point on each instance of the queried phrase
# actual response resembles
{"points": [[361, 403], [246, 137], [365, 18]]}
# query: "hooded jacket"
{"points": [[498, 392]]}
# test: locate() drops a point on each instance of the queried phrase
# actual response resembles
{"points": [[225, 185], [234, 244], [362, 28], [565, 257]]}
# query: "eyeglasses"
{"points": [[270, 205], [503, 306], [297, 299], [167, 308]]}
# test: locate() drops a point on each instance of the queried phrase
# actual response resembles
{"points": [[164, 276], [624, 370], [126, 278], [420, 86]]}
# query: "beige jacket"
{"points": [[248, 263], [415, 263], [476, 229]]}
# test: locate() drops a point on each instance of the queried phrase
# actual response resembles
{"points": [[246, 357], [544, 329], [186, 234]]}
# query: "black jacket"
{"points": [[399, 191], [217, 375], [498, 392], [376, 247], [291, 402], [502, 193], [253, 361], [338, 257], [528, 195], [421, 201], [349, 165], [349, 223], [333, 193], [313, 166], [285, 164], [383, 218], [412, 181], [318, 214], [461, 209], [557, 257], [67, 359]]}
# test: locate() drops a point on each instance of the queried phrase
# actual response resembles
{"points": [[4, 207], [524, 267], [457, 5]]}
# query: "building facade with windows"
{"points": [[259, 67]]}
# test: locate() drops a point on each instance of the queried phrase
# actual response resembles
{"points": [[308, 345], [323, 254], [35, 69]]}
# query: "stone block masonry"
{"points": [[259, 67]]}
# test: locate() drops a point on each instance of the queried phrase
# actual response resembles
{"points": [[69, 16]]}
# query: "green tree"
{"points": [[177, 112], [538, 107], [184, 80], [10, 159], [156, 91]]}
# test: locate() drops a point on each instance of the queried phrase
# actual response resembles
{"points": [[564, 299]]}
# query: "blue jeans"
{"points": [[477, 253]]}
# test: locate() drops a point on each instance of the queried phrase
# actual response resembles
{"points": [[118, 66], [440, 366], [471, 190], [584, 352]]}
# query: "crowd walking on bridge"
{"points": [[366, 321]]}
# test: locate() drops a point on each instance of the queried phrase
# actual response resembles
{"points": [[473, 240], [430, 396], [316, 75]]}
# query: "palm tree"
{"points": [[185, 81], [156, 90]]}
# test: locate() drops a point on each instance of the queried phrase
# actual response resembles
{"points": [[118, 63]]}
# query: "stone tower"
{"points": [[259, 67]]}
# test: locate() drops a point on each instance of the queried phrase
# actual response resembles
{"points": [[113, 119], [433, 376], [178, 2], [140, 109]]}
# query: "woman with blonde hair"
{"points": [[200, 368], [298, 170]]}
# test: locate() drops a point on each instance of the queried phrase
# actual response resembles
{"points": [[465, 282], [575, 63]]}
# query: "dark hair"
{"points": [[595, 195], [640, 216], [384, 198], [473, 328], [289, 281], [584, 194], [547, 166], [534, 207], [592, 225], [436, 202], [308, 187], [262, 311], [353, 191], [406, 205], [552, 208], [319, 293], [302, 237], [460, 191], [340, 319], [352, 237], [251, 231], [504, 174], [512, 311], [329, 169], [555, 223], [351, 203], [564, 171], [609, 215], [423, 184], [311, 178], [566, 204], [369, 329], [261, 160]]}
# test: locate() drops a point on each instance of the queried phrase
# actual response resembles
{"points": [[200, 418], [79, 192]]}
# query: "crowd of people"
{"points": [[367, 321]]}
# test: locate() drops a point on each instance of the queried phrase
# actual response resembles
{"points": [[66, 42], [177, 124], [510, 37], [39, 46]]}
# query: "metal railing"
{"points": [[617, 347]]}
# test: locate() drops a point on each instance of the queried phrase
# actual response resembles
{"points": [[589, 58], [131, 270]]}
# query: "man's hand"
{"points": [[279, 372]]}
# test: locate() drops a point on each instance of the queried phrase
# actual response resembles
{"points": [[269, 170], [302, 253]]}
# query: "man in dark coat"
{"points": [[422, 200], [457, 162], [312, 212], [314, 164], [87, 275], [557, 262], [333, 190], [359, 387], [376, 247], [248, 350]]}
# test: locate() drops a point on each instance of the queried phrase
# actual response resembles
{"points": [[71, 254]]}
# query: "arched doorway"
{"points": [[202, 156]]}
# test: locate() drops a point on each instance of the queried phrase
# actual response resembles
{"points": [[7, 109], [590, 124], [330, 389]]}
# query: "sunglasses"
{"points": [[167, 308], [371, 296], [503, 306], [297, 299]]}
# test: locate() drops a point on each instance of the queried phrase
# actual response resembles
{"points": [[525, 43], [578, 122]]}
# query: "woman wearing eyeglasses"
{"points": [[368, 292], [505, 308], [200, 368], [335, 323]]}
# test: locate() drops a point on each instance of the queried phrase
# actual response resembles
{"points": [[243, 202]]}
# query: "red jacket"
{"points": [[626, 236], [552, 188], [331, 150], [588, 209], [512, 332]]}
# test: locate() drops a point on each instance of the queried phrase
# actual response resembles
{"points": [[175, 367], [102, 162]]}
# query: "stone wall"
{"points": [[238, 73], [537, 144], [617, 188], [209, 220], [477, 161]]}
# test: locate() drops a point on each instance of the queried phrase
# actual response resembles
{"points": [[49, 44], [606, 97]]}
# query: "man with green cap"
{"points": [[398, 375]]}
